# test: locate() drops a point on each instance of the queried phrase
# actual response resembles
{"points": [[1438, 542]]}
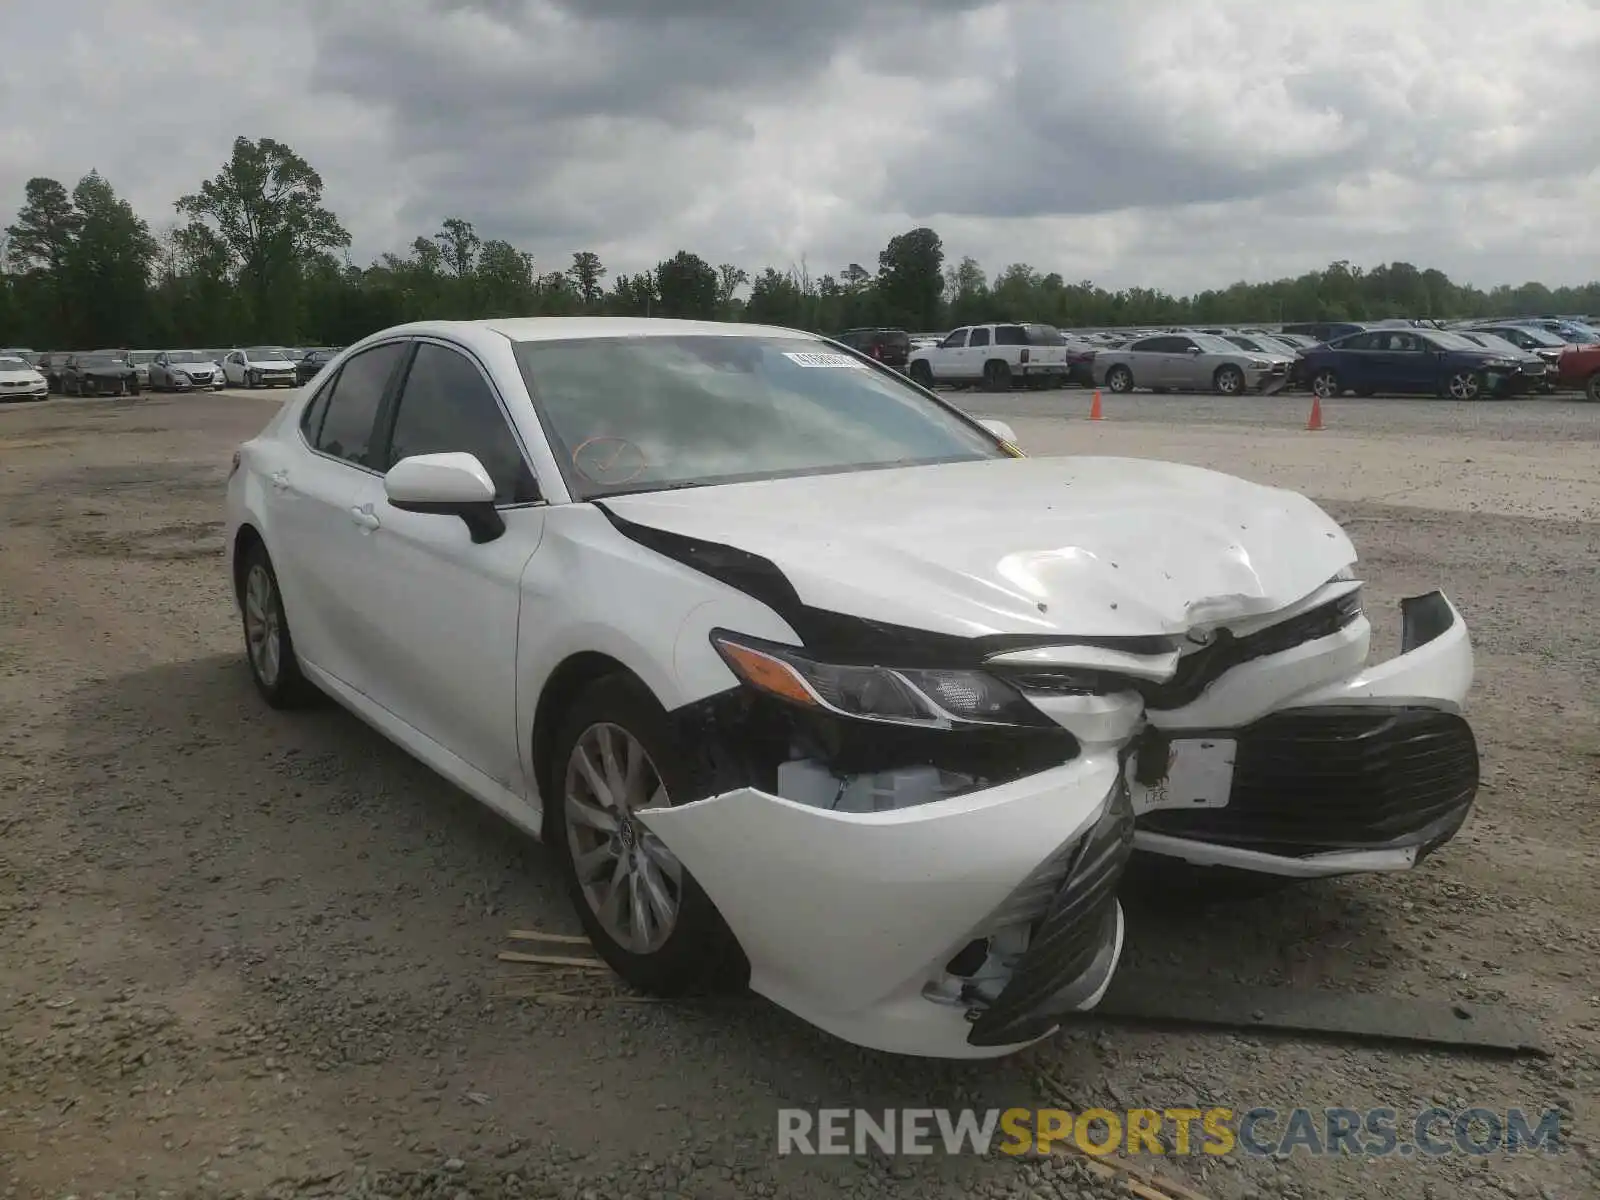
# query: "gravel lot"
{"points": [[253, 953]]}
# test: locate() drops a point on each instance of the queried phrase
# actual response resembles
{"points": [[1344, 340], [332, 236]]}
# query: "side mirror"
{"points": [[1000, 429], [453, 484], [1194, 349]]}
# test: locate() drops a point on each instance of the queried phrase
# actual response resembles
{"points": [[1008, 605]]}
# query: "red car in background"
{"points": [[1580, 368]]}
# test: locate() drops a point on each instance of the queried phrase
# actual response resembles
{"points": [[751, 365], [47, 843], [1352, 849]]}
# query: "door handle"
{"points": [[365, 517]]}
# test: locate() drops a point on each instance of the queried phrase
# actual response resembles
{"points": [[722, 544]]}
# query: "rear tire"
{"points": [[268, 644], [1591, 390], [691, 951], [1119, 380], [996, 376]]}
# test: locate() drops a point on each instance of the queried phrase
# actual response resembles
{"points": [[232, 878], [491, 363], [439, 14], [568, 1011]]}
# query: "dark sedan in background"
{"points": [[891, 347], [99, 375], [309, 365], [1428, 362]]}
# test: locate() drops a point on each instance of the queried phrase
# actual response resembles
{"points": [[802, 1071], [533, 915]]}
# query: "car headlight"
{"points": [[931, 699], [1258, 364]]}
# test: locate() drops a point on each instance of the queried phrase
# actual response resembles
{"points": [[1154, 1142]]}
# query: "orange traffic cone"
{"points": [[1094, 409], [1315, 423]]}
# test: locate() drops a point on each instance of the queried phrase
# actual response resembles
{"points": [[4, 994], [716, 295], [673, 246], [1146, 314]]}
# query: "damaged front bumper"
{"points": [[1292, 766], [964, 927]]}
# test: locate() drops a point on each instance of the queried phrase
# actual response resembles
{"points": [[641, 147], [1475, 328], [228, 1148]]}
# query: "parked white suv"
{"points": [[995, 356]]}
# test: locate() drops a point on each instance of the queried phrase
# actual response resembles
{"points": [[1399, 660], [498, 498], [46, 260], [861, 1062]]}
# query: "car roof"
{"points": [[546, 329]]}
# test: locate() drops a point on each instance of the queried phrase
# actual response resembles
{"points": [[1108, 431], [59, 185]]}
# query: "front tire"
{"points": [[1119, 380], [646, 916], [921, 374], [1325, 384], [1228, 381], [1591, 390], [1465, 385], [253, 379], [268, 644]]}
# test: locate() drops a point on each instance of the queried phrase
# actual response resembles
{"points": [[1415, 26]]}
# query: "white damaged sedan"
{"points": [[813, 682]]}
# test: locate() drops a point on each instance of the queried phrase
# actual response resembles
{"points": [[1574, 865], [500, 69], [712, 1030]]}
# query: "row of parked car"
{"points": [[28, 374], [1466, 360]]}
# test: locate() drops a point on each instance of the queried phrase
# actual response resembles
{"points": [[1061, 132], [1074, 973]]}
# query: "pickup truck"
{"points": [[996, 356], [1580, 368]]}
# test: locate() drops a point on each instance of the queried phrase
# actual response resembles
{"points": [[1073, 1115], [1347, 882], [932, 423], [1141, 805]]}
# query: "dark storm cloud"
{"points": [[1172, 143]]}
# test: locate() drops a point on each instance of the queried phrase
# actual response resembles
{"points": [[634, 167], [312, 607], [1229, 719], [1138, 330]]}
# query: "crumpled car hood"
{"points": [[1080, 547]]}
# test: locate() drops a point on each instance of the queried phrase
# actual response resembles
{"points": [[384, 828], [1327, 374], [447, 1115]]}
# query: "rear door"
{"points": [[311, 530], [444, 652]]}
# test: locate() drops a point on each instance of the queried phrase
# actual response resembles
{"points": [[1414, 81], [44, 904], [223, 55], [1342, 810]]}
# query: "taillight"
{"points": [[1024, 354]]}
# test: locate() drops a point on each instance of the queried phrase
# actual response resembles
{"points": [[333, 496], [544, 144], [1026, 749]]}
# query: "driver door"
{"points": [[442, 654]]}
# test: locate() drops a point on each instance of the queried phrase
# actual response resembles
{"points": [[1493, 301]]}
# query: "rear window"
{"points": [[1045, 335]]}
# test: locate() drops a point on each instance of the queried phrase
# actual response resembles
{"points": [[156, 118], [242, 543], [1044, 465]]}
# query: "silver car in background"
{"points": [[1189, 362], [183, 371]]}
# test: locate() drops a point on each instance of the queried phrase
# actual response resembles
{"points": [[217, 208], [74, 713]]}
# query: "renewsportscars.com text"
{"points": [[1374, 1133]]}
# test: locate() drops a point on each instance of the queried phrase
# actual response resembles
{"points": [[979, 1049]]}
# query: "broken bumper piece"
{"points": [[1369, 772], [965, 927]]}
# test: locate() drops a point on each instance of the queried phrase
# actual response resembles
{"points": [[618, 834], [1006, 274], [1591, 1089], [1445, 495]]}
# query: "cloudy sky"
{"points": [[1165, 143]]}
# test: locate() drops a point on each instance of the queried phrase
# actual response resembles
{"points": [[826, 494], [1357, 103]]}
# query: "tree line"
{"points": [[255, 255]]}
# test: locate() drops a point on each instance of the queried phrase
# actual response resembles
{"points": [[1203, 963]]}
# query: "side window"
{"points": [[1010, 335], [311, 419], [1407, 342], [1180, 345], [1360, 341], [955, 341], [353, 402], [980, 337], [446, 405]]}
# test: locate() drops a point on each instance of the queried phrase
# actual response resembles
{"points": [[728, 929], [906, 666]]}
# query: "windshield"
{"points": [[1492, 342], [141, 357], [1256, 344], [267, 353], [1449, 341], [1212, 344], [185, 357], [1579, 334], [1045, 335], [7, 363], [101, 361], [1539, 337], [647, 413]]}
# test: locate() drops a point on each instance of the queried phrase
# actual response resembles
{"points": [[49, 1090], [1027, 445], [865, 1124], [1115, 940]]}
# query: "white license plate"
{"points": [[1199, 775]]}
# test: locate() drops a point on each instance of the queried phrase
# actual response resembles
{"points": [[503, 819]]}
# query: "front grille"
{"points": [[1315, 780], [1070, 939]]}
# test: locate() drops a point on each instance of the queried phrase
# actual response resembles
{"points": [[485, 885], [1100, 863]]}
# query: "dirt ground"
{"points": [[252, 953]]}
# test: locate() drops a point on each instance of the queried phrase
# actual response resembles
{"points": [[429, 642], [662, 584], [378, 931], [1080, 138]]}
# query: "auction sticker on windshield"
{"points": [[813, 359]]}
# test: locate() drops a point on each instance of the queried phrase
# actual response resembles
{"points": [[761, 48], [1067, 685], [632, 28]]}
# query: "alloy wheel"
{"points": [[1464, 385], [263, 634], [1325, 385], [633, 884]]}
